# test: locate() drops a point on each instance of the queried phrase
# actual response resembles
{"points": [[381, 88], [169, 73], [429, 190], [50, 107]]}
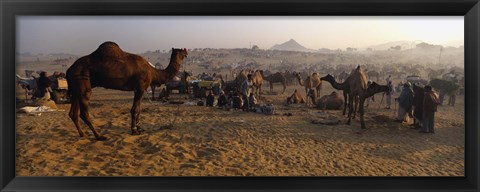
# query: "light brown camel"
{"points": [[312, 82], [110, 67], [257, 78], [276, 78], [295, 98], [329, 102]]}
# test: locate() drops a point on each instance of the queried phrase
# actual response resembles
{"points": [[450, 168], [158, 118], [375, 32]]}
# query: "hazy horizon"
{"points": [[137, 34]]}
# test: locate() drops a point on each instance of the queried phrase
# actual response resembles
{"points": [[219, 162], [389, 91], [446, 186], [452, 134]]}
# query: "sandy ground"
{"points": [[214, 142]]}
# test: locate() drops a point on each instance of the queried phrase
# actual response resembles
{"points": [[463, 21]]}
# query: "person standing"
{"points": [[451, 99], [441, 93], [246, 89], [44, 83], [388, 79], [405, 102], [372, 98], [430, 103], [252, 101], [210, 99], [222, 100], [389, 95]]}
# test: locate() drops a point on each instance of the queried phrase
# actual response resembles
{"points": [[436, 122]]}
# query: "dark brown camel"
{"points": [[276, 78], [418, 102], [110, 67]]}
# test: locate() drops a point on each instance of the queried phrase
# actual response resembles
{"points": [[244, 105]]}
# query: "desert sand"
{"points": [[185, 140]]}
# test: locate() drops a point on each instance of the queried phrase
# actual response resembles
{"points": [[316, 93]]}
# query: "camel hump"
{"points": [[108, 49], [108, 44]]}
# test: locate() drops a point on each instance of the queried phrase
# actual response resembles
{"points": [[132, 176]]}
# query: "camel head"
{"points": [[298, 75], [328, 78], [376, 88], [179, 54]]}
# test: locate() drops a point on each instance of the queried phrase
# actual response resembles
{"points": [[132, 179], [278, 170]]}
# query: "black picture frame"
{"points": [[9, 9]]}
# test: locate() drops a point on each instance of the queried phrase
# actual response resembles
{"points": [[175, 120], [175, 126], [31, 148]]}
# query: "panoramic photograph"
{"points": [[240, 96]]}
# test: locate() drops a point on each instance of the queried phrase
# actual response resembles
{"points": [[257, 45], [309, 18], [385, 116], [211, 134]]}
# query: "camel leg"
{"points": [[361, 111], [350, 109], [271, 87], [355, 101], [135, 112], [75, 114], [306, 95], [85, 116], [153, 92], [284, 87]]}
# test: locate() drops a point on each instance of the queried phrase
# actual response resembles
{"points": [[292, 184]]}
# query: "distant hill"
{"points": [[457, 43], [386, 46], [291, 45], [408, 45]]}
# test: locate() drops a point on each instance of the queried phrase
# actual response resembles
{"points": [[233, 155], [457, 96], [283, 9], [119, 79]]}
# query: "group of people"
{"points": [[420, 105], [243, 99]]}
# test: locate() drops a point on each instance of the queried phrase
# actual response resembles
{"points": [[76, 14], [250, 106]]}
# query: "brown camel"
{"points": [[358, 88], [276, 78], [312, 82], [110, 67], [329, 102], [295, 98]]}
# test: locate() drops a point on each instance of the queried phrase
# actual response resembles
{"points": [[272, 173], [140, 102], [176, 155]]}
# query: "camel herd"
{"points": [[111, 67]]}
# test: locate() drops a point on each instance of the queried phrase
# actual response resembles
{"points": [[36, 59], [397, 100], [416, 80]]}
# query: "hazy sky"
{"points": [[81, 35]]}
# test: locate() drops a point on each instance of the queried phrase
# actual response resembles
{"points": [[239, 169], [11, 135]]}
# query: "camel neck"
{"points": [[162, 76], [300, 81], [338, 86], [172, 68]]}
